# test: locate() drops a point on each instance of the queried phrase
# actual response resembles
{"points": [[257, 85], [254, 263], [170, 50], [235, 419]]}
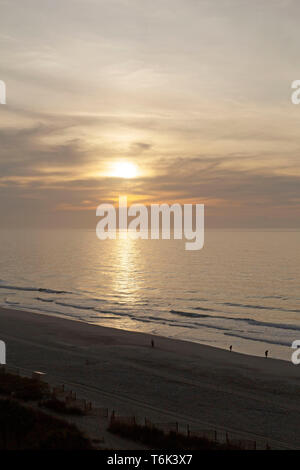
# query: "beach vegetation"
{"points": [[23, 388], [25, 428]]}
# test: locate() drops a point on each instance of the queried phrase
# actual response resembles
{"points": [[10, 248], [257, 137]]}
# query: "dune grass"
{"points": [[157, 439], [23, 388], [61, 407], [24, 428]]}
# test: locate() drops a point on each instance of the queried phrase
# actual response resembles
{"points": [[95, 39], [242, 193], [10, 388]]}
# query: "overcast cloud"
{"points": [[196, 93]]}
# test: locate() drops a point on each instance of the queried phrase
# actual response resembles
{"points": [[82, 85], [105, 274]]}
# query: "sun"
{"points": [[124, 170]]}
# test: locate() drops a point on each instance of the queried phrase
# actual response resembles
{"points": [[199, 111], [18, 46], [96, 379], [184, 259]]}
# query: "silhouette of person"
{"points": [[230, 348], [266, 353], [152, 343]]}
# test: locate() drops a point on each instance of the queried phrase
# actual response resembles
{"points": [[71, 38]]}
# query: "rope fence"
{"points": [[71, 399], [220, 437]]}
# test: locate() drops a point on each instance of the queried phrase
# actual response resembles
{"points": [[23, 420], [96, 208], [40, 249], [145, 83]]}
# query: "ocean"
{"points": [[242, 289]]}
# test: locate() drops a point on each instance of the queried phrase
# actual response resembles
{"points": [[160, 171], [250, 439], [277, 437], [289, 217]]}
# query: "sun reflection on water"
{"points": [[127, 279]]}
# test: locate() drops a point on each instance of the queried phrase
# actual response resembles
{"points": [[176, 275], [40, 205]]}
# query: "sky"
{"points": [[193, 94]]}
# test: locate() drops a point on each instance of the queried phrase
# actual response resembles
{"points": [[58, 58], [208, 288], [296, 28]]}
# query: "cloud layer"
{"points": [[196, 93]]}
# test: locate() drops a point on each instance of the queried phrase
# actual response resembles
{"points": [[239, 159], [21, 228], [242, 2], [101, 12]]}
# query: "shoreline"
{"points": [[285, 353], [176, 380]]}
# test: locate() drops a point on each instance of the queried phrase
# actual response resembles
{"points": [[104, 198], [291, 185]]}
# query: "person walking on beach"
{"points": [[266, 353], [230, 348]]}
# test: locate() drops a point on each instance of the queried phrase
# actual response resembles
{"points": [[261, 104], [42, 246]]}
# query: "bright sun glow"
{"points": [[124, 170]]}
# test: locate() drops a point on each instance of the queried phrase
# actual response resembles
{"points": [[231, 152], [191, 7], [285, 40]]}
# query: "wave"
{"points": [[281, 326], [260, 340], [11, 302], [107, 311], [92, 299], [106, 317], [33, 289], [190, 314], [191, 318], [260, 307], [204, 309], [81, 307], [182, 313], [250, 321]]}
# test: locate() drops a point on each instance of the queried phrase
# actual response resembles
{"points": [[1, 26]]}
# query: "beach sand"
{"points": [[205, 387]]}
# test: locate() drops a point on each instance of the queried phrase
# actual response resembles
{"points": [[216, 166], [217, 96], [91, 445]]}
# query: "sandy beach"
{"points": [[205, 387]]}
